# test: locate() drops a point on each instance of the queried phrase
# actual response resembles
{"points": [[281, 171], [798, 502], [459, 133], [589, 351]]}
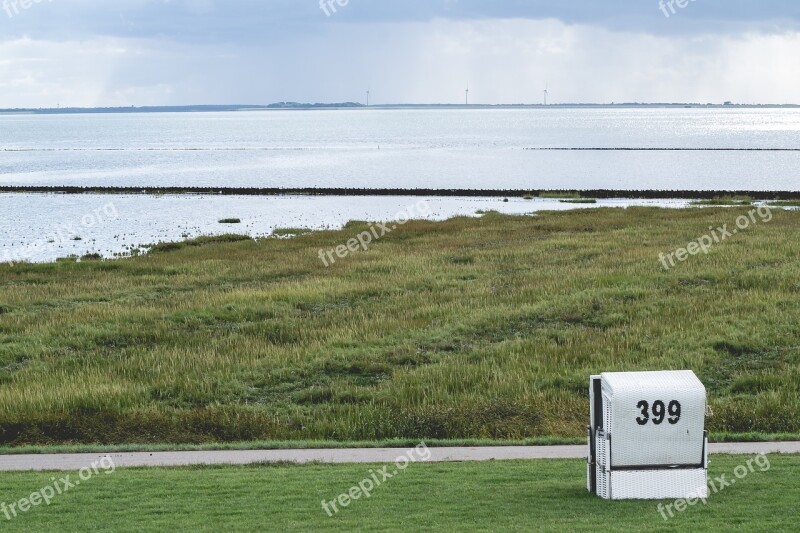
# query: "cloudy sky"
{"points": [[171, 52]]}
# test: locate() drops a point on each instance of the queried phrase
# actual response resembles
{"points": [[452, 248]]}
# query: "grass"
{"points": [[165, 247], [327, 444], [567, 197], [556, 195], [493, 496], [465, 329], [725, 201], [288, 232], [579, 201], [784, 203], [303, 445]]}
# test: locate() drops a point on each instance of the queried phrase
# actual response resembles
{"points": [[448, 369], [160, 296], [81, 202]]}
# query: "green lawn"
{"points": [[495, 496], [467, 329]]}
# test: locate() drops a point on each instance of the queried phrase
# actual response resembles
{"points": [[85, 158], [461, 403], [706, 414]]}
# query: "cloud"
{"points": [[502, 60], [270, 21]]}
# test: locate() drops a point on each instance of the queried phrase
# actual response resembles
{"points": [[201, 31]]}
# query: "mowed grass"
{"points": [[493, 496], [466, 329]]}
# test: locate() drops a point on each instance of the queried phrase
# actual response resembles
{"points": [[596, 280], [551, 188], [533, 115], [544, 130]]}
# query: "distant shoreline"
{"points": [[294, 106], [477, 193]]}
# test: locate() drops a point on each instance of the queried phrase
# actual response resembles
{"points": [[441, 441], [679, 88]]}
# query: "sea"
{"points": [[626, 149]]}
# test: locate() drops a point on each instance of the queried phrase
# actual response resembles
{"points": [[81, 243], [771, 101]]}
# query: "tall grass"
{"points": [[726, 201], [469, 328]]}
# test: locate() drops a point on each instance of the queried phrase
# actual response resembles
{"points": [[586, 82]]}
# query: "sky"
{"points": [[90, 53]]}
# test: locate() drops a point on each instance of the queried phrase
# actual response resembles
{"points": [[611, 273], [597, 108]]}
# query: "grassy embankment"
{"points": [[495, 496], [465, 329]]}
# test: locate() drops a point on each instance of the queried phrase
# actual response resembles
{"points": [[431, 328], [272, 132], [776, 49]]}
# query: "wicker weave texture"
{"points": [[655, 418], [649, 436], [658, 484]]}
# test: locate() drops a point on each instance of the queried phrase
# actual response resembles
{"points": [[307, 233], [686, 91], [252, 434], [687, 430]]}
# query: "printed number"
{"points": [[674, 412], [660, 411], [645, 407]]}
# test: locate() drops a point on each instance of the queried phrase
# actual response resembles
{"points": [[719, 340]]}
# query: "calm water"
{"points": [[357, 148], [44, 227], [407, 149]]}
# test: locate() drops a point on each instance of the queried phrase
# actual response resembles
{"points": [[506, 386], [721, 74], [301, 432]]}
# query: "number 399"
{"points": [[659, 412]]}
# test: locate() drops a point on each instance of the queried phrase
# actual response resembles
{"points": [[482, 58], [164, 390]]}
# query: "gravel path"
{"points": [[74, 462]]}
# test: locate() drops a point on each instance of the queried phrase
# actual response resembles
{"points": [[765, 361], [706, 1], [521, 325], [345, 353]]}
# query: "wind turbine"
{"points": [[466, 101], [545, 93], [367, 97]]}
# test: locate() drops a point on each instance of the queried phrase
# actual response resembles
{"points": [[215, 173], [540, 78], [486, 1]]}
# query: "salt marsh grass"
{"points": [[469, 328]]}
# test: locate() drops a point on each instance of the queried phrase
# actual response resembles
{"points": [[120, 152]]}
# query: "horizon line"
{"points": [[357, 105]]}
